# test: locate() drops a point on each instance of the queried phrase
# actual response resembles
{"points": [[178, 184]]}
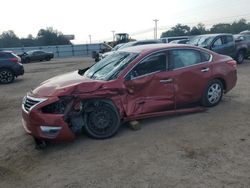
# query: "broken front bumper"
{"points": [[42, 126]]}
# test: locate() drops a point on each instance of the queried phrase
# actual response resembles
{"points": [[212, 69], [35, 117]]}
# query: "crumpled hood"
{"points": [[66, 84]]}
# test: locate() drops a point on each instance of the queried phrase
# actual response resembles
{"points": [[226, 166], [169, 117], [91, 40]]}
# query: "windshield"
{"points": [[110, 67], [201, 40]]}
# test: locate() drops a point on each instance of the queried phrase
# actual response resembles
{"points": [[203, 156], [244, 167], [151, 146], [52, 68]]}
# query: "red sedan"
{"points": [[135, 83]]}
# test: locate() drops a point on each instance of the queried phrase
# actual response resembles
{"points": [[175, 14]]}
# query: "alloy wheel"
{"points": [[214, 93]]}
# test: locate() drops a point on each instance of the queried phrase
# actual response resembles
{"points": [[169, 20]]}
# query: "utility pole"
{"points": [[89, 39], [155, 29], [113, 35]]}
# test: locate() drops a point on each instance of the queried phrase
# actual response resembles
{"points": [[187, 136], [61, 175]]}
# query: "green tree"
{"points": [[178, 30], [239, 26], [198, 30], [49, 36], [9, 39], [221, 28]]}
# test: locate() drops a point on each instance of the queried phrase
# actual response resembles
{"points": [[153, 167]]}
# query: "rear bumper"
{"points": [[18, 70], [49, 127], [231, 81]]}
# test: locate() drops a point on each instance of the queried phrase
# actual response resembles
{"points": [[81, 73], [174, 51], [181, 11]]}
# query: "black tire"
{"points": [[213, 93], [6, 76], [102, 121], [240, 57], [47, 58]]}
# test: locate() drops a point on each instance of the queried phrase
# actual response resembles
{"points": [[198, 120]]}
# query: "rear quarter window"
{"points": [[205, 56]]}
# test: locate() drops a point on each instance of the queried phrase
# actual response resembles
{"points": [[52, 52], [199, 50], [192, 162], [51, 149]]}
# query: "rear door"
{"points": [[150, 86], [192, 71]]}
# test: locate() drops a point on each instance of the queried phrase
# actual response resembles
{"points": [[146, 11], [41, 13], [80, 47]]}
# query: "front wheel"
{"points": [[103, 121], [213, 93]]}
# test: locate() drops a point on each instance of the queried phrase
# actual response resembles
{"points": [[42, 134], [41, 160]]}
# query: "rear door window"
{"points": [[180, 58]]}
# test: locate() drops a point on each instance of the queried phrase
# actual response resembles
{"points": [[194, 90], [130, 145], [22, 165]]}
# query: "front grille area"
{"points": [[30, 102]]}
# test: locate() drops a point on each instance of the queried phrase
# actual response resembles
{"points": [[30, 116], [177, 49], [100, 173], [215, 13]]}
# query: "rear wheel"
{"points": [[6, 76], [103, 121], [213, 93], [47, 58]]}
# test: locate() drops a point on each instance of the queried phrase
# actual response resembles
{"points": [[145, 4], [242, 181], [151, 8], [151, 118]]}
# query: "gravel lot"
{"points": [[209, 149]]}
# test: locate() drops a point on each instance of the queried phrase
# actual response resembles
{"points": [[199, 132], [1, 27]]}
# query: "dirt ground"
{"points": [[209, 149]]}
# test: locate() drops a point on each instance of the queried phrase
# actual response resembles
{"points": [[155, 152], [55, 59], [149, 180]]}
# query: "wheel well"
{"points": [[242, 50], [223, 83], [6, 68]]}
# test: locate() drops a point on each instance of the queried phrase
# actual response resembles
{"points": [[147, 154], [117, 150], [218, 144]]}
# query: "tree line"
{"points": [[185, 30], [45, 37]]}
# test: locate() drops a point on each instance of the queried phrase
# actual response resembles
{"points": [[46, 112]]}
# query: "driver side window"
{"points": [[152, 64]]}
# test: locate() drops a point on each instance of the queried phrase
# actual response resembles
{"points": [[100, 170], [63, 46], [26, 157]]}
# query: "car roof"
{"points": [[213, 35], [161, 46], [5, 51]]}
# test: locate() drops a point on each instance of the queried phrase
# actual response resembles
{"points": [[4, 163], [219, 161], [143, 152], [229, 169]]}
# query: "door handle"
{"points": [[169, 80], [205, 70]]}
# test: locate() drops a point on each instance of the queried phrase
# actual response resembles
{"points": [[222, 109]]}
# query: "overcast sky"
{"points": [[99, 17]]}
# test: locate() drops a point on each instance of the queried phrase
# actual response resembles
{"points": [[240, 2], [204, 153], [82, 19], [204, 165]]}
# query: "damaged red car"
{"points": [[138, 82]]}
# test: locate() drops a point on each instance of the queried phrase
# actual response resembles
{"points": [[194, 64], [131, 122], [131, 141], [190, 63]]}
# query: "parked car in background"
{"points": [[102, 55], [169, 39], [246, 32], [181, 41], [36, 55], [222, 43], [10, 67], [243, 40], [133, 83], [129, 44]]}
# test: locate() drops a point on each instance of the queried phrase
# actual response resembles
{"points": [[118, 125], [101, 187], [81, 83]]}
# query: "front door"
{"points": [[150, 86]]}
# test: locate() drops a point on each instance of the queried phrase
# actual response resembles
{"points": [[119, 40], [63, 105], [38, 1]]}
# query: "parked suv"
{"points": [[36, 55], [222, 43], [10, 67]]}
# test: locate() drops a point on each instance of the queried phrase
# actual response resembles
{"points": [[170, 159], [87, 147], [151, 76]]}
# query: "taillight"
{"points": [[14, 59], [232, 63]]}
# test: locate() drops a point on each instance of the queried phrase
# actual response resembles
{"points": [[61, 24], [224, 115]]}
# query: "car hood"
{"points": [[66, 84]]}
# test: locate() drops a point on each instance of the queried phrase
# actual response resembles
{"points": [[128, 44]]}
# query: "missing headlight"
{"points": [[57, 107]]}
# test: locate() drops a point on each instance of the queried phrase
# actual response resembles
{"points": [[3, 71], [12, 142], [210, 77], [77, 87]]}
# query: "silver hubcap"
{"points": [[5, 76], [214, 93]]}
